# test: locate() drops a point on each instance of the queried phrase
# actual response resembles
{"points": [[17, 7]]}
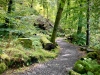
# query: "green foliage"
{"points": [[21, 24], [78, 67], [4, 3], [95, 41], [36, 42], [2, 16], [4, 32], [79, 39], [74, 15], [87, 66], [90, 73], [3, 67]]}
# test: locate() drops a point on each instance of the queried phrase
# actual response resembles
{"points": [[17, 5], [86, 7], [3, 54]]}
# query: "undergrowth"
{"points": [[86, 66], [15, 55]]}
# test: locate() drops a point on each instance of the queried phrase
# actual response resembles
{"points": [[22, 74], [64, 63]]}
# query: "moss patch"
{"points": [[26, 42], [3, 67]]}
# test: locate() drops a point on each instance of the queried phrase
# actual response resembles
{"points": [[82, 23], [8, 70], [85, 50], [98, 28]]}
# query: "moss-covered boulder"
{"points": [[3, 67], [26, 42]]}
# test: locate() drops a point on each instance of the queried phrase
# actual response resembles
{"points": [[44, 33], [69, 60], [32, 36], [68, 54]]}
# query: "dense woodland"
{"points": [[29, 28]]}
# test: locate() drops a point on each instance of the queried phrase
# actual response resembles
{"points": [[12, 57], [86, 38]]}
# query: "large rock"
{"points": [[26, 42]]}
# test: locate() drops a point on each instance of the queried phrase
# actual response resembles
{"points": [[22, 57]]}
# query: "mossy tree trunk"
{"points": [[58, 17], [88, 24], [47, 44]]}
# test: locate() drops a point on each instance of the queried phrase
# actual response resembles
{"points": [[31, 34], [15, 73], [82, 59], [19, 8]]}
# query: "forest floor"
{"points": [[61, 65]]}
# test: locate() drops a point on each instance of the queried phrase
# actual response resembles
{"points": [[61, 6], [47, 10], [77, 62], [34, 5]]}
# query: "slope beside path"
{"points": [[61, 65]]}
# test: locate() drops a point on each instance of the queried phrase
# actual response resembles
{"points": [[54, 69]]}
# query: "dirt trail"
{"points": [[61, 65]]}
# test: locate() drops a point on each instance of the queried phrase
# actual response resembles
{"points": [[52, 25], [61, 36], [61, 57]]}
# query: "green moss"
{"points": [[92, 55], [26, 42], [71, 72], [3, 67]]}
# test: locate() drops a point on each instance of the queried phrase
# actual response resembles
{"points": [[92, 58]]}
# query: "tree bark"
{"points": [[88, 24], [58, 17]]}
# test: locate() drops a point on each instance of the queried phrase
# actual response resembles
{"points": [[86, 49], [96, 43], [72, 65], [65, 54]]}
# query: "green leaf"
{"points": [[90, 73]]}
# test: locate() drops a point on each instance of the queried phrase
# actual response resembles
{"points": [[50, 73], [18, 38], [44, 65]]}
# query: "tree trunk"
{"points": [[88, 24], [58, 17], [10, 8], [80, 20]]}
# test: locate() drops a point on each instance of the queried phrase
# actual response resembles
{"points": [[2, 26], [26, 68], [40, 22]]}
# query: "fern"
{"points": [[89, 66]]}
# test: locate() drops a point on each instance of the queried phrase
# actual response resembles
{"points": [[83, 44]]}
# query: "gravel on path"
{"points": [[61, 65]]}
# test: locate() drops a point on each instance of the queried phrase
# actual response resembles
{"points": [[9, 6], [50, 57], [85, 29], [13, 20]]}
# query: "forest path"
{"points": [[69, 54]]}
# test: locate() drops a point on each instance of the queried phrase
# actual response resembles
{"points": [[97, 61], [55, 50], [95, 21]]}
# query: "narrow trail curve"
{"points": [[61, 65]]}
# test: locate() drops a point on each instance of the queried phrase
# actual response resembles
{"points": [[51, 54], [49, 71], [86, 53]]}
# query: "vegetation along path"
{"points": [[61, 65]]}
